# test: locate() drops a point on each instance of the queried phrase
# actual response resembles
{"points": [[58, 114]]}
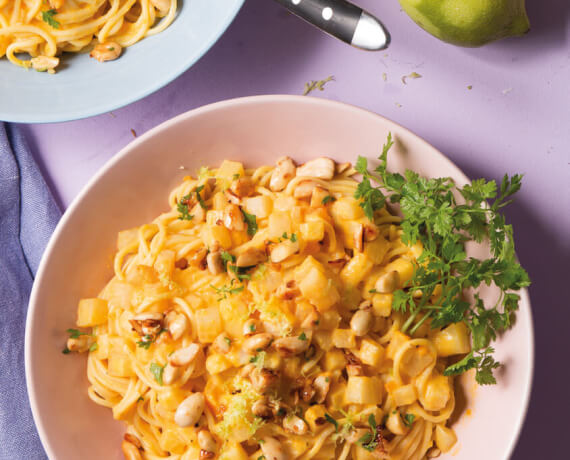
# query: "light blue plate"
{"points": [[84, 87]]}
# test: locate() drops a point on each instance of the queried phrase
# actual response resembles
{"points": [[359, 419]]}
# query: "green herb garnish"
{"points": [[368, 441], [225, 290], [328, 199], [408, 419], [316, 84], [75, 333], [483, 362], [157, 370], [48, 17], [199, 197], [226, 258], [146, 342], [94, 347], [251, 222], [433, 217], [303, 336], [331, 420], [292, 237], [182, 207]]}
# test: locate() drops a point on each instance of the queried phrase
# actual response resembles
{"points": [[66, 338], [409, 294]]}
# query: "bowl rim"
{"points": [[168, 77], [197, 112]]}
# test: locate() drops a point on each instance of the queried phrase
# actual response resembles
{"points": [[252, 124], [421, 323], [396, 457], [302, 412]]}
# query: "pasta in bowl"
{"points": [[255, 318], [258, 316], [43, 30], [153, 40]]}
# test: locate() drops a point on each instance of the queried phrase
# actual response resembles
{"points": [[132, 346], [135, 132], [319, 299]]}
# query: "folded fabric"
{"points": [[28, 215]]}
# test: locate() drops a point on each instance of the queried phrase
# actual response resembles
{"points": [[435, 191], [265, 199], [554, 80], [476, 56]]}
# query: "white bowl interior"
{"points": [[133, 189]]}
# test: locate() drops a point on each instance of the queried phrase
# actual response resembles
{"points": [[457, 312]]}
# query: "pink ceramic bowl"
{"points": [[133, 188]]}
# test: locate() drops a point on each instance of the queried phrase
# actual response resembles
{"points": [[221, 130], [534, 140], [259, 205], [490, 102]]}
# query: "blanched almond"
{"points": [[321, 168], [184, 356]]}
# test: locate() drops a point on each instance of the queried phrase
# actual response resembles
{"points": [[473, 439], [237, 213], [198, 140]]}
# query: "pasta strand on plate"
{"points": [[43, 29]]}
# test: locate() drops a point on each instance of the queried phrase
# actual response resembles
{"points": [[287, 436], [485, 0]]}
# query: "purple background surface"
{"points": [[516, 118]]}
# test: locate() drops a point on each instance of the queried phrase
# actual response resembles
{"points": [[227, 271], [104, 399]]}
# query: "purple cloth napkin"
{"points": [[28, 215]]}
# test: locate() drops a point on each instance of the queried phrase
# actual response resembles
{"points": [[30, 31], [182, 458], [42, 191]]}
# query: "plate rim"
{"points": [[34, 302], [80, 114]]}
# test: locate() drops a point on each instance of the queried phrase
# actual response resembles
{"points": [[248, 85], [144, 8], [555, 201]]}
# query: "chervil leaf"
{"points": [[483, 363], [146, 342], [408, 419], [182, 207], [75, 333], [227, 258], [368, 440], [48, 17], [251, 222], [361, 165], [199, 197], [225, 290], [157, 371], [331, 420], [468, 362]]}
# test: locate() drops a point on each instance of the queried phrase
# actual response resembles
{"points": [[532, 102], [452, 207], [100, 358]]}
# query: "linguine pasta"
{"points": [[254, 320], [43, 29]]}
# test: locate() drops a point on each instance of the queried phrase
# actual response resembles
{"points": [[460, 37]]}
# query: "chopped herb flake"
{"points": [[331, 420], [408, 419], [225, 290], [251, 222], [75, 333], [157, 370], [316, 84], [183, 210], [48, 17]]}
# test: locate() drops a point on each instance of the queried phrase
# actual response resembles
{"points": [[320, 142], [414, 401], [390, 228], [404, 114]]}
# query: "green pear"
{"points": [[469, 22]]}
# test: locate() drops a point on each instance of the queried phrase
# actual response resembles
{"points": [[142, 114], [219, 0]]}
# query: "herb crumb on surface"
{"points": [[317, 84], [413, 75]]}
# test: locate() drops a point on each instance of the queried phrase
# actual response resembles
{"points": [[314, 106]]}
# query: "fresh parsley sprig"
{"points": [[434, 217]]}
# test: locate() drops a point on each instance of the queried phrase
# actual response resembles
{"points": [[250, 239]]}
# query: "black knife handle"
{"points": [[336, 17]]}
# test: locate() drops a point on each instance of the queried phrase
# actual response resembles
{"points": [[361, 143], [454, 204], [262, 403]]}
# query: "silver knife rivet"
{"points": [[295, 2], [327, 13]]}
